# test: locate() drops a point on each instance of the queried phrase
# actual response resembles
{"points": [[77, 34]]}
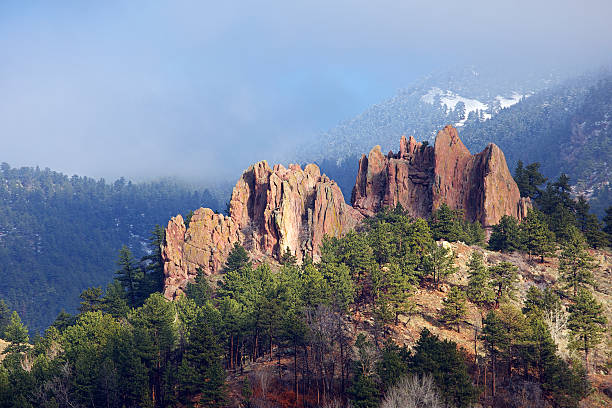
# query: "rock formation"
{"points": [[422, 177], [270, 210]]}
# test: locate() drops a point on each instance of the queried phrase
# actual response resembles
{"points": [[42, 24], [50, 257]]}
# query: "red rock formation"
{"points": [[270, 210], [422, 177]]}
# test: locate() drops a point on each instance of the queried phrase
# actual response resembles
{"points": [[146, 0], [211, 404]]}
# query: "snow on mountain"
{"points": [[450, 100]]}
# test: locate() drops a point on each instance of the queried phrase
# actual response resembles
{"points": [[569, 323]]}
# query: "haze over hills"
{"points": [[60, 234]]}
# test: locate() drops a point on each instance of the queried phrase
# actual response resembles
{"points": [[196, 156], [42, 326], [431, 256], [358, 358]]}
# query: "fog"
{"points": [[199, 90]]}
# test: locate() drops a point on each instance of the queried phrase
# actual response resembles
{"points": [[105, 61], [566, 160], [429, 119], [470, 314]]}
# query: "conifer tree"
{"points": [[91, 300], [17, 336], [575, 264], [5, 317], [445, 224], [479, 290], [439, 263], [536, 238], [129, 275], [528, 179], [237, 259], [392, 289], [586, 323], [453, 309], [114, 301], [153, 264], [505, 236], [201, 372], [504, 278], [287, 258]]}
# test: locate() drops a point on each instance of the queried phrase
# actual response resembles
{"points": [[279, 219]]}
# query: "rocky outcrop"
{"points": [[271, 209], [422, 177]]}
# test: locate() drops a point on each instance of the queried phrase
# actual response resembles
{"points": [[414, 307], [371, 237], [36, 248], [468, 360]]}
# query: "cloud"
{"points": [[202, 89]]}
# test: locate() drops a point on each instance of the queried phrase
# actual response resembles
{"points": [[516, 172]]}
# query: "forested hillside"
{"points": [[567, 129], [60, 234]]}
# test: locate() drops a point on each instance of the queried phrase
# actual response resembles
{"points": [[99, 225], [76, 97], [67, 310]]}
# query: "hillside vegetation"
{"points": [[60, 234]]}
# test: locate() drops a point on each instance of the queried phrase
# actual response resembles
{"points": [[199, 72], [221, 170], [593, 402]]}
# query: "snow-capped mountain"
{"points": [[459, 97]]}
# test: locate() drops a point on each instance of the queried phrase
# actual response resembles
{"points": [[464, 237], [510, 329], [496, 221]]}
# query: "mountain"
{"points": [[567, 128], [562, 123], [60, 234], [278, 210]]}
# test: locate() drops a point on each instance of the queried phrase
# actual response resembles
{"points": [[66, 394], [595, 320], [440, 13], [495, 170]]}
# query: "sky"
{"points": [[199, 90]]}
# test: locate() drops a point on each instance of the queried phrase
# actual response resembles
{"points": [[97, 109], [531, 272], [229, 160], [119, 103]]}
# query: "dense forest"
{"points": [[290, 335], [567, 129], [60, 234]]}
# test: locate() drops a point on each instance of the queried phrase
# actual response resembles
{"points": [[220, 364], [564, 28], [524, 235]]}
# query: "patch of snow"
{"points": [[507, 102], [430, 96], [449, 100]]}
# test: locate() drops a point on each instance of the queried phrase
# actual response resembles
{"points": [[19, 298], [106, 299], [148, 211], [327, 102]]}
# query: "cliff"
{"points": [[271, 209], [421, 178]]}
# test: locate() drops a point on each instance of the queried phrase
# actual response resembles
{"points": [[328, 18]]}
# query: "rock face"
{"points": [[271, 209], [421, 178]]}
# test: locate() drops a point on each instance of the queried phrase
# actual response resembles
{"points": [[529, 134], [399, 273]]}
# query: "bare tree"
{"points": [[262, 378], [556, 321], [413, 392]]}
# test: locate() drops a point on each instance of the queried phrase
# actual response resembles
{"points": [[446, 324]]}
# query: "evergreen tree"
{"points": [[91, 300], [504, 278], [479, 290], [565, 385], [200, 291], [529, 179], [17, 336], [586, 323], [453, 309], [439, 263], [443, 361], [506, 236], [201, 372], [392, 289], [287, 258], [237, 259], [114, 301], [536, 238], [129, 275], [393, 363], [153, 263], [541, 302], [5, 317], [445, 224], [575, 264]]}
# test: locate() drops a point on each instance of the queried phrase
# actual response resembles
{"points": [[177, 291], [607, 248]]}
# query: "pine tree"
{"points": [[536, 238], [392, 289], [114, 301], [201, 372], [5, 317], [445, 224], [529, 179], [200, 291], [287, 258], [237, 259], [439, 263], [586, 323], [575, 264], [589, 225], [454, 309], [505, 236], [153, 263], [129, 275], [447, 366], [17, 336], [91, 300], [479, 290], [504, 278]]}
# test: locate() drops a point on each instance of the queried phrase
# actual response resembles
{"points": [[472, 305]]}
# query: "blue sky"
{"points": [[201, 89]]}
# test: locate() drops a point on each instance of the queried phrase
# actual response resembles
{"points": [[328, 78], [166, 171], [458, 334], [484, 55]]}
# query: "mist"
{"points": [[199, 90]]}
